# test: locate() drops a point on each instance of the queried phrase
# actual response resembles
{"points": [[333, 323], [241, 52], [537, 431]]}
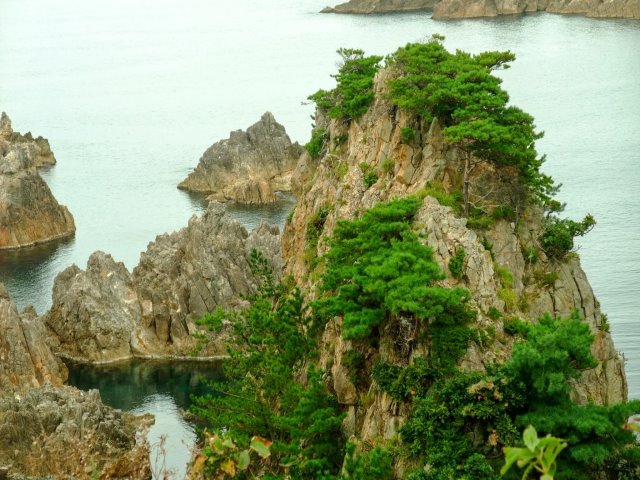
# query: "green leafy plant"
{"points": [[538, 454], [369, 176], [407, 135]]}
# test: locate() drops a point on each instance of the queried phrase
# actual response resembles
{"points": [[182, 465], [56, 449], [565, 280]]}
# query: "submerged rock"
{"points": [[380, 6], [29, 213], [105, 313], [248, 167]]}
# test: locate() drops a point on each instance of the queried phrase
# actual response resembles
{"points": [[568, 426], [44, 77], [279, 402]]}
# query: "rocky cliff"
{"points": [[105, 313], [380, 6], [451, 9], [375, 163], [48, 429], [456, 9], [248, 167], [29, 213], [41, 150]]}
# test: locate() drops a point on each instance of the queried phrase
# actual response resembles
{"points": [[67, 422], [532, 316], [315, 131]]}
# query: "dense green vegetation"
{"points": [[377, 269], [353, 93], [378, 282]]}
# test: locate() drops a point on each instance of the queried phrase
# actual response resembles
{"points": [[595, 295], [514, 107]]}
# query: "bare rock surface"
{"points": [[50, 430], [380, 6], [105, 313], [25, 358], [248, 167], [62, 432], [453, 9], [29, 213]]}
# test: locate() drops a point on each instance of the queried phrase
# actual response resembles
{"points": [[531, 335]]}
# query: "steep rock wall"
{"points": [[29, 213], [335, 184]]}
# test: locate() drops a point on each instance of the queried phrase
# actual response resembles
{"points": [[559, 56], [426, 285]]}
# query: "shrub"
{"points": [[369, 176], [378, 269], [456, 263], [354, 92], [557, 238], [407, 135], [317, 143]]}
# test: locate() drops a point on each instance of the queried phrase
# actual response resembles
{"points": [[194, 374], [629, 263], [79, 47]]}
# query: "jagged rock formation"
{"points": [[29, 214], [335, 183], [48, 429], [39, 146], [106, 313], [248, 167], [450, 9], [25, 358], [380, 6]]}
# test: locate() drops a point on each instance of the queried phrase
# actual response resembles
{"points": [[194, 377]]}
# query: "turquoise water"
{"points": [[131, 93]]}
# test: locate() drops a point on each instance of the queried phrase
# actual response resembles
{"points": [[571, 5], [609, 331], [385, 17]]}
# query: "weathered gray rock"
{"points": [[94, 312], [380, 6], [248, 167], [105, 313], [25, 358], [451, 9], [62, 432], [29, 213], [42, 154]]}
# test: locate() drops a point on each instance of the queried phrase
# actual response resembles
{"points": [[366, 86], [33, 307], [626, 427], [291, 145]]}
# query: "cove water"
{"points": [[131, 93]]}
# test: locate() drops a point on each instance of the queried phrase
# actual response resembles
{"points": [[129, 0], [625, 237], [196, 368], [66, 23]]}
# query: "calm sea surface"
{"points": [[132, 92]]}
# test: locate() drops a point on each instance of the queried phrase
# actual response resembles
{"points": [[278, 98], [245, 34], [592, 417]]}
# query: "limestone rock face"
{"points": [[451, 9], [62, 432], [29, 213], [25, 358], [335, 184], [380, 6], [248, 167], [105, 313]]}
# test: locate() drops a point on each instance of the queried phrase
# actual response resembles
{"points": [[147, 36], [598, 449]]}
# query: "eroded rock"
{"points": [[380, 6], [248, 167], [105, 313], [29, 213]]}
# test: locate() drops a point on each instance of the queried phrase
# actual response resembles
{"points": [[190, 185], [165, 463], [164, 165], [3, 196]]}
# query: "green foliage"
{"points": [[531, 255], [353, 93], [407, 135], [221, 458], [373, 464], [516, 326], [460, 89], [318, 142], [474, 413], [510, 298], [388, 164], [558, 235], [377, 269], [369, 176], [273, 340], [538, 454], [505, 275], [494, 313], [456, 263], [403, 383], [315, 226], [354, 362], [436, 190]]}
